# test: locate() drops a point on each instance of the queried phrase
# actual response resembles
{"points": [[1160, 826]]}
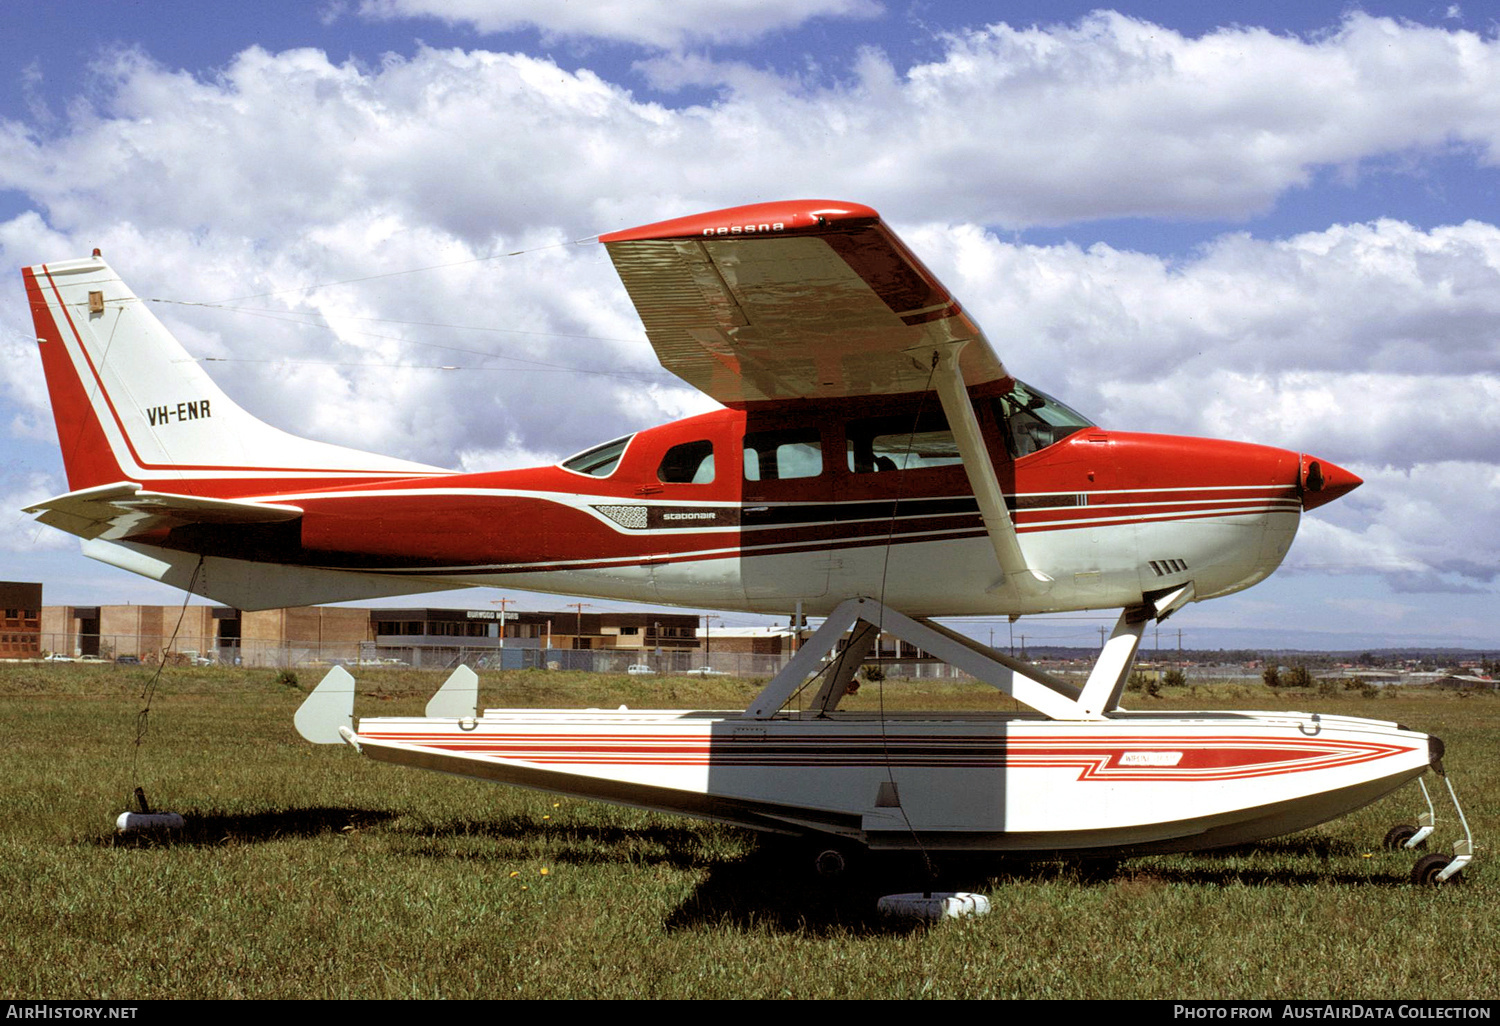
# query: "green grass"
{"points": [[310, 872]]}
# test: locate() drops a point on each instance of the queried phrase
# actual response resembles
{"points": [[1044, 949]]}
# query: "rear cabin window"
{"points": [[783, 455], [882, 444], [688, 463], [601, 460]]}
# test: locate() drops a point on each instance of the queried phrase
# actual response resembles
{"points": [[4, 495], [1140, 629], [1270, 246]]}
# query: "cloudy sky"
{"points": [[1279, 226]]}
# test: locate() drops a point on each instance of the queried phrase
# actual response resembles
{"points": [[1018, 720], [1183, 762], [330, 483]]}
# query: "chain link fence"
{"points": [[187, 650]]}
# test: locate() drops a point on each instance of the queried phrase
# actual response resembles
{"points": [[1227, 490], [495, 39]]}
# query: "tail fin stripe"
{"points": [[97, 389], [89, 454]]}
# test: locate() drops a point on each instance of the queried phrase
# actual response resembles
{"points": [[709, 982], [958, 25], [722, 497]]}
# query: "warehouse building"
{"points": [[328, 634], [20, 620]]}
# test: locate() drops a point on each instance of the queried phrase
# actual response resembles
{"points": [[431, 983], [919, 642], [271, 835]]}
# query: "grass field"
{"points": [[311, 872]]}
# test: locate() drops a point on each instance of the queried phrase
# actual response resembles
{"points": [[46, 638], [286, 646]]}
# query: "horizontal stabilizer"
{"points": [[249, 585], [123, 509]]}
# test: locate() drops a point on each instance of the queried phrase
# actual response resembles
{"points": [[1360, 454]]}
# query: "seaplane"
{"points": [[873, 463]]}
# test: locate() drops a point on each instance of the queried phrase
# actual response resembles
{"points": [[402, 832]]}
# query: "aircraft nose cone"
{"points": [[1322, 482]]}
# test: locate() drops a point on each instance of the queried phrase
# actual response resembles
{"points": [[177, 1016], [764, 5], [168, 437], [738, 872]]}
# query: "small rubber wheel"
{"points": [[831, 864], [1425, 872], [1398, 835]]}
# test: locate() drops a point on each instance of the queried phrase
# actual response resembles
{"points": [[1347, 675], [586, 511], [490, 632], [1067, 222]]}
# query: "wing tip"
{"points": [[779, 217]]}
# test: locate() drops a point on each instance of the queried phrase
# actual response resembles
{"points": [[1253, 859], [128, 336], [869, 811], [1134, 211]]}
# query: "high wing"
{"points": [[815, 299], [119, 510], [799, 299]]}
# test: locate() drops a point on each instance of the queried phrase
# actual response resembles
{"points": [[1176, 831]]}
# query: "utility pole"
{"points": [[502, 603], [578, 606], [707, 635]]}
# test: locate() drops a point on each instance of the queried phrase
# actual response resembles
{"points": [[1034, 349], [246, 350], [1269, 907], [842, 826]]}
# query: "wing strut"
{"points": [[954, 394]]}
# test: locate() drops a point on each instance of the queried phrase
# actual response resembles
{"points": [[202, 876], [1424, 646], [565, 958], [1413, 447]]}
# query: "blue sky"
{"points": [[1267, 221]]}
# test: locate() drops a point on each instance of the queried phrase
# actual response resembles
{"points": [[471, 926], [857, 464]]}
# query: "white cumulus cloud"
{"points": [[1371, 345], [655, 23], [1109, 117]]}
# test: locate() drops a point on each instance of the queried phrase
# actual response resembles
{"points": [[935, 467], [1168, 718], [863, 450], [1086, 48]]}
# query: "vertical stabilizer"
{"points": [[132, 405]]}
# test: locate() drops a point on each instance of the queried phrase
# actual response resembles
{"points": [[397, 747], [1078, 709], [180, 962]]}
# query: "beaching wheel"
{"points": [[1398, 835], [831, 863], [1425, 872]]}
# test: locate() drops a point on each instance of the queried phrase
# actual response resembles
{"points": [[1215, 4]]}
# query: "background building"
{"points": [[567, 639], [421, 636], [337, 634], [20, 620]]}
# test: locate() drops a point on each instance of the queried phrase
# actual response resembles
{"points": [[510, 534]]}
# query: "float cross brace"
{"points": [[1047, 694]]}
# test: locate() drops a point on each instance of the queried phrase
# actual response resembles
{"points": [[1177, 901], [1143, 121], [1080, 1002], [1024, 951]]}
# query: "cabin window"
{"points": [[688, 463], [783, 455], [899, 443], [1034, 420], [600, 461]]}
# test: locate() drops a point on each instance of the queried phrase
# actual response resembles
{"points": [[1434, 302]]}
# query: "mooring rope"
{"points": [[148, 693]]}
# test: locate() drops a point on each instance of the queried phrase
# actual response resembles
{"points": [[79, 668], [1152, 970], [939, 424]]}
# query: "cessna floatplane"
{"points": [[874, 464]]}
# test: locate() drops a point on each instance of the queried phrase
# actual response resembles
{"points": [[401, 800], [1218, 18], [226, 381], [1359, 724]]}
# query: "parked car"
{"points": [[638, 669], [706, 671]]}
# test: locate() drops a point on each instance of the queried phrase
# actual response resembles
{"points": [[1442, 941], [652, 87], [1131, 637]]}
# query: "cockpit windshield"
{"points": [[1034, 420], [600, 461]]}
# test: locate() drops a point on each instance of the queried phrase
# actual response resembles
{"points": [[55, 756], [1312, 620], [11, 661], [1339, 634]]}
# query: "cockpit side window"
{"points": [[600, 461], [688, 463], [896, 443], [1034, 420]]}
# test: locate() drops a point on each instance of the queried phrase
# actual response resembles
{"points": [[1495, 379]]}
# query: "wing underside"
{"points": [[806, 299]]}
